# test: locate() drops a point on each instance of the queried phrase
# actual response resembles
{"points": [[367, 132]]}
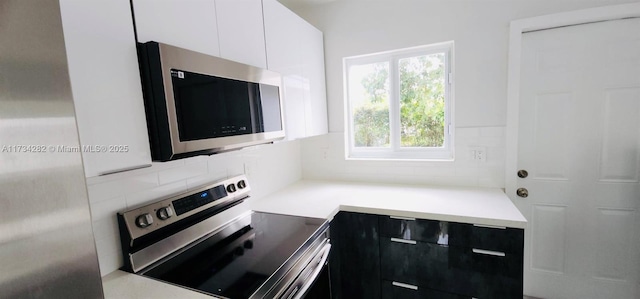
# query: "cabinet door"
{"points": [[315, 101], [241, 31], [282, 30], [293, 93], [185, 24], [295, 50], [105, 81], [355, 258]]}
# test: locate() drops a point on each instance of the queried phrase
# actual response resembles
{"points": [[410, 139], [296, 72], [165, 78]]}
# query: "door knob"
{"points": [[523, 173], [522, 192]]}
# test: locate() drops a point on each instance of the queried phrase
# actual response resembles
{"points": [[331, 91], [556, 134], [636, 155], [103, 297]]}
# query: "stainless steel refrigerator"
{"points": [[47, 249]]}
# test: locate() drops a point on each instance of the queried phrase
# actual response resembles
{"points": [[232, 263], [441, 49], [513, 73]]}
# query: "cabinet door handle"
{"points": [[412, 242], [404, 285], [402, 218], [490, 226], [488, 252]]}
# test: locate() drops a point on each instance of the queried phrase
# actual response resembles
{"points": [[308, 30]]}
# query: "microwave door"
{"points": [[211, 107]]}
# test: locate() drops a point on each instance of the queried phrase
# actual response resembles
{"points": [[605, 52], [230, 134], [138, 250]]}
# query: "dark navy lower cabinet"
{"points": [[355, 256], [399, 258], [472, 272]]}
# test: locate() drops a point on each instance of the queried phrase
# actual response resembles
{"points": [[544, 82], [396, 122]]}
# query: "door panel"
{"points": [[549, 226], [551, 128], [579, 138], [611, 261], [621, 138]]}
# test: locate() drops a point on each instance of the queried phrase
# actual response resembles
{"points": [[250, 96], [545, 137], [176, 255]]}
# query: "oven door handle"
{"points": [[297, 294]]}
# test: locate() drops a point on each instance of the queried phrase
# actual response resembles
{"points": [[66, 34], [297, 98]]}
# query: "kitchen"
{"points": [[108, 99]]}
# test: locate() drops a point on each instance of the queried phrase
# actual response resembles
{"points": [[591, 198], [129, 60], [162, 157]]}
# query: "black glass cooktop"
{"points": [[240, 264]]}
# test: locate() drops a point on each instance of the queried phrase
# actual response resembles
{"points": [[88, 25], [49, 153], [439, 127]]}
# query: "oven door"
{"points": [[313, 281]]}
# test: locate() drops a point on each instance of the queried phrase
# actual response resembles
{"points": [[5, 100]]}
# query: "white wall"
{"points": [[480, 31], [114, 193]]}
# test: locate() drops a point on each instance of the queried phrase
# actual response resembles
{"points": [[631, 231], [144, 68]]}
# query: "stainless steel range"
{"points": [[189, 241]]}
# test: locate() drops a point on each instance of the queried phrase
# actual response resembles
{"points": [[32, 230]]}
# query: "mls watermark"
{"points": [[51, 148]]}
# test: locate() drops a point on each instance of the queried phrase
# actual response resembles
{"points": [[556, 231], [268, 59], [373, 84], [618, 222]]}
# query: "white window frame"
{"points": [[395, 151]]}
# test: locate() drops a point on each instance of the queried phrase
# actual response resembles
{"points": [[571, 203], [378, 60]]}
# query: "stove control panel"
{"points": [[145, 219]]}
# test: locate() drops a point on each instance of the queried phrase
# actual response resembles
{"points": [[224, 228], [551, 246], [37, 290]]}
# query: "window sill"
{"points": [[398, 159]]}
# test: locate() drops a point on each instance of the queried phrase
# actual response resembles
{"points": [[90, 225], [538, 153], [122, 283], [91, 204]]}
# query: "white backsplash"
{"points": [[323, 158], [269, 168], [273, 166]]}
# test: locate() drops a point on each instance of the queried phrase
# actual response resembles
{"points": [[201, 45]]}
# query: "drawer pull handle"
{"points": [[490, 226], [402, 218], [488, 252], [412, 242], [404, 285]]}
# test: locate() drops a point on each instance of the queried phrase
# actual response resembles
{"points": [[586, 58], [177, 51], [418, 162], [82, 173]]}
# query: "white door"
{"points": [[579, 141]]}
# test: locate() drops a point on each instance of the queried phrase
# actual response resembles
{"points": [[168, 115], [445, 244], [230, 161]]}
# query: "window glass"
{"points": [[422, 92], [369, 96], [398, 104]]}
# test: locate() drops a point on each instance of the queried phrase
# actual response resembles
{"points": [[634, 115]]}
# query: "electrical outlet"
{"points": [[479, 154], [250, 167]]}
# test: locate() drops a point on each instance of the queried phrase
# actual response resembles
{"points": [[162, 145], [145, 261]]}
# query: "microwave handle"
{"points": [[303, 290]]}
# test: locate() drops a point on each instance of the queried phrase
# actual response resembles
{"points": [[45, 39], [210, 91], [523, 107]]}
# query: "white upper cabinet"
{"points": [[282, 29], [241, 31], [295, 49], [186, 24], [313, 71], [105, 82]]}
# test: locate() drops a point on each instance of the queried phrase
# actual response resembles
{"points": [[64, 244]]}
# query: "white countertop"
{"points": [[124, 285], [324, 199]]}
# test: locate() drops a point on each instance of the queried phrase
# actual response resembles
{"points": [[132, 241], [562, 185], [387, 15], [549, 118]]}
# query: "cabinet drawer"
{"points": [[485, 262], [400, 290], [399, 259], [430, 231], [476, 273], [485, 237]]}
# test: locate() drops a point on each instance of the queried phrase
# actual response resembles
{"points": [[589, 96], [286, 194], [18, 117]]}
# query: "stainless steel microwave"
{"points": [[200, 104]]}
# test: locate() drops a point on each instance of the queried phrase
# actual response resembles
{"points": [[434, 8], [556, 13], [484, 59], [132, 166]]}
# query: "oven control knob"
{"points": [[248, 244], [165, 213], [238, 251], [241, 184], [231, 188], [144, 220]]}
